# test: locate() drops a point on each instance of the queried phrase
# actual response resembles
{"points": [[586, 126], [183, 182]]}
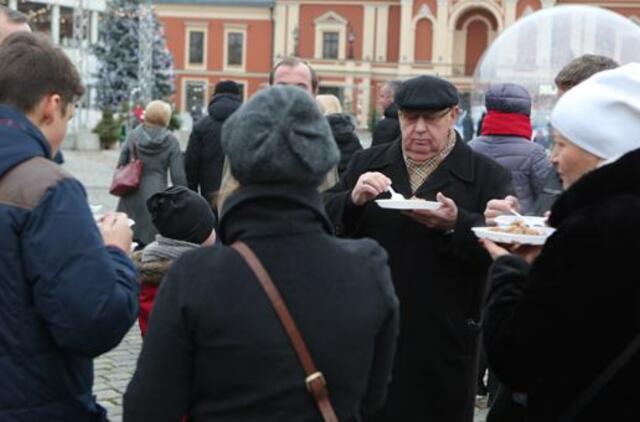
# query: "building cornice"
{"points": [[212, 12]]}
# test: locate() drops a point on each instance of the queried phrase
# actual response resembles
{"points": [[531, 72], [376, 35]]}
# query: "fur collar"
{"points": [[622, 177], [151, 271]]}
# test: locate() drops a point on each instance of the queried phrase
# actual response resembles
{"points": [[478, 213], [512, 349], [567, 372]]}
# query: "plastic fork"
{"points": [[520, 216], [395, 195]]}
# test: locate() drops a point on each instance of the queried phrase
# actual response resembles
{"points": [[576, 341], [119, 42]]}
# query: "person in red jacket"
{"points": [[185, 221]]}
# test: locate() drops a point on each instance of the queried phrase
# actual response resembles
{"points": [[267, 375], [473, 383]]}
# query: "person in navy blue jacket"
{"points": [[68, 291]]}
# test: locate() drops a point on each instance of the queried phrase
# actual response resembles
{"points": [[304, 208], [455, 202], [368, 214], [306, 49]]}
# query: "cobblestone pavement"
{"points": [[113, 370]]}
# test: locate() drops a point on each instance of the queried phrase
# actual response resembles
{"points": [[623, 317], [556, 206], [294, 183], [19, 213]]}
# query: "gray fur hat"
{"points": [[279, 136]]}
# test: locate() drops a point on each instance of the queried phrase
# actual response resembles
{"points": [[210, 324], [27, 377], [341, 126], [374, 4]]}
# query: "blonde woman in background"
{"points": [[342, 127], [160, 152]]}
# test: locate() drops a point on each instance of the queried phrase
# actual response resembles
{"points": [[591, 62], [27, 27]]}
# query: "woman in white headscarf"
{"points": [[558, 317]]}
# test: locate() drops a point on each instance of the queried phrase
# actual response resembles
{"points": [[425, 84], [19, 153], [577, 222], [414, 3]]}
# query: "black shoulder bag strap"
{"points": [[596, 386]]}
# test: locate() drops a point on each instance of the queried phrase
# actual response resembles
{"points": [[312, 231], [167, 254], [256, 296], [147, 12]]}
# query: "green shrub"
{"points": [[109, 129], [175, 123]]}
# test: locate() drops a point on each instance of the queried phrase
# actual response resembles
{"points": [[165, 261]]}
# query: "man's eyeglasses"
{"points": [[428, 116]]}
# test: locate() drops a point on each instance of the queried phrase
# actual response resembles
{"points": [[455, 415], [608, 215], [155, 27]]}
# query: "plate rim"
{"points": [[432, 205], [513, 217], [541, 238]]}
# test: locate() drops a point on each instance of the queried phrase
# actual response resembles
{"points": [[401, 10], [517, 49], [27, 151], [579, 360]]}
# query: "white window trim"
{"points": [[331, 22], [235, 28], [204, 81], [196, 27]]}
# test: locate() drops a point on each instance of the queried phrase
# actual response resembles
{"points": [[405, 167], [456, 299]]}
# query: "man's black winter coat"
{"points": [[204, 157], [440, 278]]}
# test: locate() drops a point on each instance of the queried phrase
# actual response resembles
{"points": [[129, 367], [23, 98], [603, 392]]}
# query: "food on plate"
{"points": [[517, 227]]}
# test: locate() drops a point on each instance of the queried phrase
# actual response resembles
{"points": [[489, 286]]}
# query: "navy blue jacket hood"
{"points": [[15, 145]]}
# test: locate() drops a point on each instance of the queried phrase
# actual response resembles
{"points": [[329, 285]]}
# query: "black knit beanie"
{"points": [[226, 87], [180, 213]]}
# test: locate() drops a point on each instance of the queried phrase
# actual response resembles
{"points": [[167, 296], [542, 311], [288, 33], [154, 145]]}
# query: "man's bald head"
{"points": [[12, 21]]}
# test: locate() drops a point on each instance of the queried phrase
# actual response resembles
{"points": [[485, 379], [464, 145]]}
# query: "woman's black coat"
{"points": [[551, 328], [343, 131], [215, 348], [440, 277], [387, 130]]}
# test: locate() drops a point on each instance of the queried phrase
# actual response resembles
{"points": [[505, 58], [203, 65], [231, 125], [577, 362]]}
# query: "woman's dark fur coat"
{"points": [[551, 328]]}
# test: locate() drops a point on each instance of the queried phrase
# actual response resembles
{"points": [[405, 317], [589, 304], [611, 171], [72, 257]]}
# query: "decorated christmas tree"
{"points": [[118, 51]]}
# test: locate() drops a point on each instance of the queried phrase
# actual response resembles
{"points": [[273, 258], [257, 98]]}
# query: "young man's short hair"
{"points": [[582, 68], [31, 67], [293, 62]]}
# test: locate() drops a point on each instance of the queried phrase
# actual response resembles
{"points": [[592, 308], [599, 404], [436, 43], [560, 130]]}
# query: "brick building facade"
{"points": [[355, 45]]}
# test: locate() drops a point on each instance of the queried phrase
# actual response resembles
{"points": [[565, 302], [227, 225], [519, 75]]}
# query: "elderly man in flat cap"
{"points": [[437, 265]]}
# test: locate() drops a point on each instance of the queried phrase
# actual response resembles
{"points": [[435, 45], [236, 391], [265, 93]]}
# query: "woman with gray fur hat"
{"points": [[221, 352]]}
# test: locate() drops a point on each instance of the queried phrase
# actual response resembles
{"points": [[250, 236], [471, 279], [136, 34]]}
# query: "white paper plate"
{"points": [[95, 208], [523, 239], [533, 221], [408, 204]]}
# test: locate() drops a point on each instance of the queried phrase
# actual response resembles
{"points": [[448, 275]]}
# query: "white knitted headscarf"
{"points": [[602, 114]]}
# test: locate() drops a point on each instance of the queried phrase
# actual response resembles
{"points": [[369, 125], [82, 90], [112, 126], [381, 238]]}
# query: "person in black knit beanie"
{"points": [[185, 221]]}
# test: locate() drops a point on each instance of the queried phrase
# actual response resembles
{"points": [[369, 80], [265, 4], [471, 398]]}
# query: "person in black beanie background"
{"points": [[185, 222], [204, 159]]}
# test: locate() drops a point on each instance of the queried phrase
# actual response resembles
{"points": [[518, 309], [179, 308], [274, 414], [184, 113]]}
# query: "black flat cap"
{"points": [[426, 93]]}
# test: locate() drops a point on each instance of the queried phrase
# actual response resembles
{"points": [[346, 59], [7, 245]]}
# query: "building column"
{"points": [[364, 101], [406, 34], [95, 31], [293, 17], [368, 32], [280, 32], [55, 24], [510, 11], [442, 57], [382, 28]]}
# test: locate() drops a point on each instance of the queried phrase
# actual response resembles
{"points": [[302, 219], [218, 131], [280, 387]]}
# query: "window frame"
{"points": [[234, 29], [330, 22], [183, 95], [192, 28], [325, 45]]}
